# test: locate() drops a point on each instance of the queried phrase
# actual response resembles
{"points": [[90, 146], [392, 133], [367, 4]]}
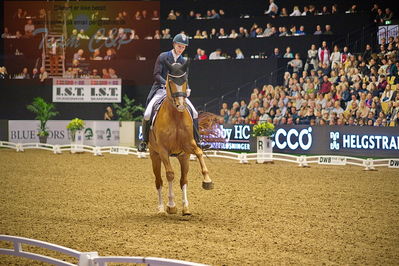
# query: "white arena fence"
{"points": [[84, 258], [300, 160]]}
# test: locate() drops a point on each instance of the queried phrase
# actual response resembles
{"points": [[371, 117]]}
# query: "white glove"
{"points": [[188, 92]]}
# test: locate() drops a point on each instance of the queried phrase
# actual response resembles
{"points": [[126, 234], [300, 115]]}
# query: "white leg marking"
{"points": [[171, 195], [160, 200], [185, 200]]}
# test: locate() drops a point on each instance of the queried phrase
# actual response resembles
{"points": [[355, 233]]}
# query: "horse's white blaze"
{"points": [[179, 88], [185, 200], [171, 195]]}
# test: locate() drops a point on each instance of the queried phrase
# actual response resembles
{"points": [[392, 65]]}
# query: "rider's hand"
{"points": [[188, 92]]}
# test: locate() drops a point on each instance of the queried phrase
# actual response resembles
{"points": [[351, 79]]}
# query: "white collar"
{"points": [[175, 56]]}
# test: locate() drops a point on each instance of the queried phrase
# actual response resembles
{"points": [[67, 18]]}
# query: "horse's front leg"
{"points": [[207, 182], [170, 175], [156, 168], [184, 166]]}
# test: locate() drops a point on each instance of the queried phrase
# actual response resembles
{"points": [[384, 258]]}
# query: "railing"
{"points": [[84, 258], [234, 95], [300, 160]]}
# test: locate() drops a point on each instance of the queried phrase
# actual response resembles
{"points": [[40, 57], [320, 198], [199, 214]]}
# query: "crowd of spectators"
{"points": [[36, 74], [380, 15], [330, 88]]}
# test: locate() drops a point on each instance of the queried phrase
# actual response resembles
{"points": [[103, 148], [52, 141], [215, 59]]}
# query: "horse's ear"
{"points": [[186, 64]]}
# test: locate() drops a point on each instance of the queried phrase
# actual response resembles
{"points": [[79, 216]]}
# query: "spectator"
{"points": [[318, 30], [276, 53], [29, 28], [24, 74], [214, 14], [203, 55], [43, 74], [166, 34], [108, 114], [82, 35], [295, 12], [353, 9], [54, 52], [216, 55], [198, 54], [324, 11], [5, 34], [112, 73], [96, 55], [283, 32], [301, 30], [272, 8], [283, 12], [328, 30], [155, 15], [334, 9], [288, 53], [305, 11], [367, 52], [105, 74], [325, 85], [239, 54], [335, 56], [244, 111], [296, 64], [35, 73], [79, 55], [312, 61], [379, 17], [110, 54], [324, 54], [94, 74], [242, 33]]}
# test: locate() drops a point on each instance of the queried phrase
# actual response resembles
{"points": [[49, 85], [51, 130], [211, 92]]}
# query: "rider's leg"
{"points": [[146, 124], [197, 136]]}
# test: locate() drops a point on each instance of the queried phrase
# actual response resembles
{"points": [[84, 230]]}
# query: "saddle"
{"points": [[156, 107]]}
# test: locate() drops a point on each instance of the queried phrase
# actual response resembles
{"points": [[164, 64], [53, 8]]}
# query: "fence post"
{"points": [[369, 164], [86, 258]]}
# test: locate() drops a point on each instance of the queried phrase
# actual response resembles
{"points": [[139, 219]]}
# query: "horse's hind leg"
{"points": [[171, 206], [207, 183], [156, 168], [184, 166]]}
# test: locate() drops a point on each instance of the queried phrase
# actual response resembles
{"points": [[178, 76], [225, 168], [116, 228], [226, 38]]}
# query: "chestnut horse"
{"points": [[172, 135]]}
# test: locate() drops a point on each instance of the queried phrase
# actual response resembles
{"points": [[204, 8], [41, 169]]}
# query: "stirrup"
{"points": [[142, 147]]}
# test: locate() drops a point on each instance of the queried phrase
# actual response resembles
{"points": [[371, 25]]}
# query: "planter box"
{"points": [[77, 139], [127, 133], [264, 148]]}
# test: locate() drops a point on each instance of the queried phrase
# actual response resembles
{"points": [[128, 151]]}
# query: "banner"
{"points": [[87, 90], [318, 140], [96, 133]]}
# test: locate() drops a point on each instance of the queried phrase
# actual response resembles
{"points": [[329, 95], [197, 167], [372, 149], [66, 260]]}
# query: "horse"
{"points": [[172, 135]]}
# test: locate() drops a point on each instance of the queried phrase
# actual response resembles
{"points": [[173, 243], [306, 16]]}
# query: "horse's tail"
{"points": [[209, 127]]}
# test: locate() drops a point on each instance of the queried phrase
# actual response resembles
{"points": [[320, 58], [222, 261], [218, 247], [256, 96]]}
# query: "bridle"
{"points": [[178, 93]]}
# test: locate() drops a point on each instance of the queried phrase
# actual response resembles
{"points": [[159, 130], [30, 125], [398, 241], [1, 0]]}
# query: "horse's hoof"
{"points": [[186, 211], [171, 210], [161, 213], [207, 185]]}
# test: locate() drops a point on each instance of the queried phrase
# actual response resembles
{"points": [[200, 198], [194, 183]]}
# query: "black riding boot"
{"points": [[146, 134], [197, 136]]}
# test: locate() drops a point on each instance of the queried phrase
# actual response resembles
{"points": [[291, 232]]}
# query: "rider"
{"points": [[180, 42]]}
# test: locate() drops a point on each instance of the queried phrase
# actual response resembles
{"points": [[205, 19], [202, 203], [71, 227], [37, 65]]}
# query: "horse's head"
{"points": [[176, 84]]}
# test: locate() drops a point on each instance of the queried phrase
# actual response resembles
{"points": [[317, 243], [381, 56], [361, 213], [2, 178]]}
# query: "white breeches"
{"points": [[162, 94]]}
